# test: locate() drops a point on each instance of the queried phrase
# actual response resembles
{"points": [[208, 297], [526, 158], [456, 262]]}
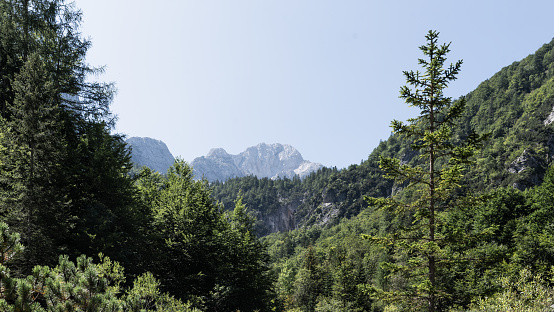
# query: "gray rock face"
{"points": [[151, 153], [217, 165], [522, 162], [550, 118], [281, 220], [262, 160], [530, 165]]}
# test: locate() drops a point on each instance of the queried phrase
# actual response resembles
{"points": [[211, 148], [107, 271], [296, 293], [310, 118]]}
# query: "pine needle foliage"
{"points": [[419, 246]]}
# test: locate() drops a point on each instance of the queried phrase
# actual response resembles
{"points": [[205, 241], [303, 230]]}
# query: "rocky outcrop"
{"points": [[282, 220], [550, 118], [529, 170], [263, 160], [151, 153], [327, 213], [522, 162]]}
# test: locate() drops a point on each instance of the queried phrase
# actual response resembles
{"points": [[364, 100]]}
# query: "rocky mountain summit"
{"points": [[151, 153], [263, 160]]}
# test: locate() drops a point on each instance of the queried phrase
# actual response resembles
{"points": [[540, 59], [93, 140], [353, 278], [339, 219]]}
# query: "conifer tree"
{"points": [[77, 286], [419, 246], [309, 282], [32, 159], [245, 271], [63, 173]]}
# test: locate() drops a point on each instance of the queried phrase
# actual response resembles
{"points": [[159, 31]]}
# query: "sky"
{"points": [[323, 76]]}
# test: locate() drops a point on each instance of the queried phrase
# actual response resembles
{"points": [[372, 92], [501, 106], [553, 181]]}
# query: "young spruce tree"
{"points": [[420, 249]]}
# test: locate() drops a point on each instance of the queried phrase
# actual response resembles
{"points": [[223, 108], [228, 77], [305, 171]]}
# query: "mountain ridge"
{"points": [[263, 161]]}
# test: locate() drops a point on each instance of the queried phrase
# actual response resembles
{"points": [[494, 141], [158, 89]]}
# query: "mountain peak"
{"points": [[151, 153], [217, 153], [263, 160]]}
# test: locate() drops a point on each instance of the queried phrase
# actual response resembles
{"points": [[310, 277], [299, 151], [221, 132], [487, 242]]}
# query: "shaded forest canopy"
{"points": [[79, 232]]}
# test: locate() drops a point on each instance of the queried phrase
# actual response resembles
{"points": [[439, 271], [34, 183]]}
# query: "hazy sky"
{"points": [[323, 76]]}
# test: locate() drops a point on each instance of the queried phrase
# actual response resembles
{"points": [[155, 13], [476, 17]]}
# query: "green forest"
{"points": [[453, 212]]}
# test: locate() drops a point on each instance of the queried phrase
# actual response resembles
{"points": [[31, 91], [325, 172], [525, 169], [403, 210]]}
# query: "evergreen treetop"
{"points": [[419, 247]]}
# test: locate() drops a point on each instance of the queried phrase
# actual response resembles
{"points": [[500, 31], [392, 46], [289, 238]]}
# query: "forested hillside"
{"points": [[321, 198], [506, 256], [453, 212], [514, 107]]}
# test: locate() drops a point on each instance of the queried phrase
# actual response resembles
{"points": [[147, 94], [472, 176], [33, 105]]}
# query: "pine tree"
{"points": [[419, 247], [32, 159], [77, 286], [50, 28]]}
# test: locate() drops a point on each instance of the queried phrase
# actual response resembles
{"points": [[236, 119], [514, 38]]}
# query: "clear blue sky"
{"points": [[323, 76]]}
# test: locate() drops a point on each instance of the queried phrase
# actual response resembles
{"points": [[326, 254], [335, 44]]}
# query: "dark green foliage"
{"points": [[55, 126], [534, 235], [199, 252], [50, 29], [245, 268], [512, 106], [101, 194], [262, 196], [513, 116], [309, 282], [187, 226], [344, 190], [492, 237], [499, 233], [322, 268], [65, 185], [31, 162], [420, 249], [480, 236], [79, 286]]}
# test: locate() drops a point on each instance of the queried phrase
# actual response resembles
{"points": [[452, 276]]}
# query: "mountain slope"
{"points": [[516, 106]]}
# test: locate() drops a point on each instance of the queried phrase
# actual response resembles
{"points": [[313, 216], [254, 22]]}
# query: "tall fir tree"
{"points": [[419, 247], [57, 146], [32, 160]]}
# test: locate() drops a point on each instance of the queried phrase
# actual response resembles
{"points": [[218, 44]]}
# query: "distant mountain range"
{"points": [[263, 161]]}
